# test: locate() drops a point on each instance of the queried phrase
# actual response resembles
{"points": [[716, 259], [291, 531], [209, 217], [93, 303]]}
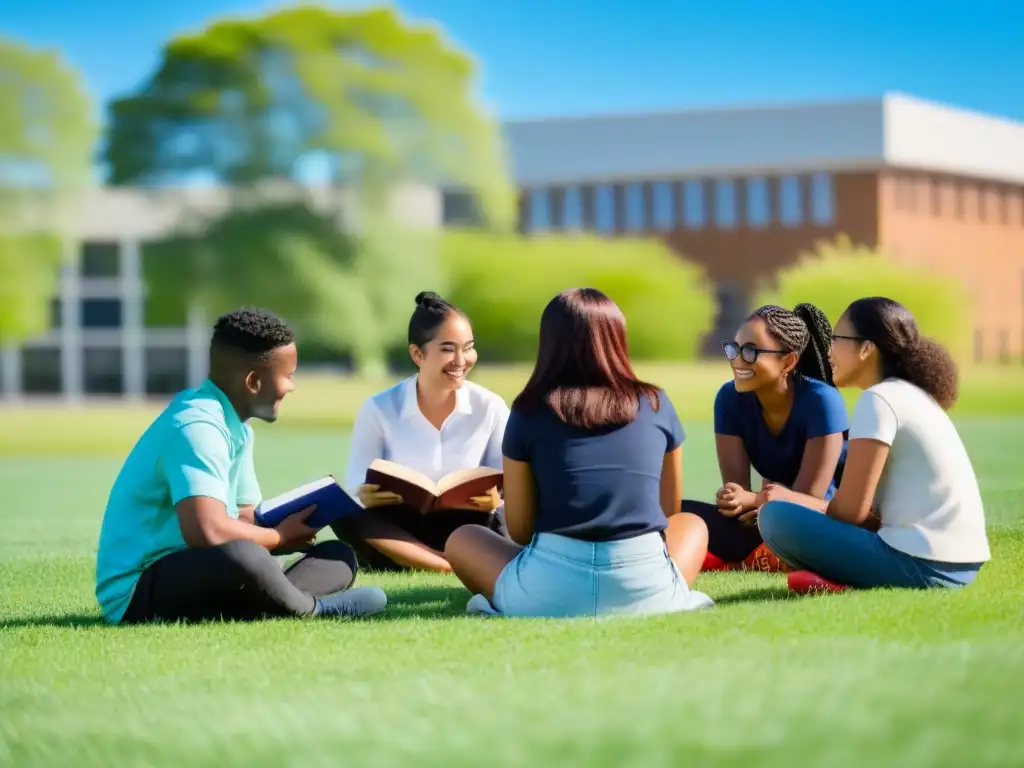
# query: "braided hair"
{"points": [[805, 331]]}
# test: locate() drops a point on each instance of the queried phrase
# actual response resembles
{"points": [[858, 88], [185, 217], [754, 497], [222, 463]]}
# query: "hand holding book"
{"points": [[477, 488], [371, 496]]}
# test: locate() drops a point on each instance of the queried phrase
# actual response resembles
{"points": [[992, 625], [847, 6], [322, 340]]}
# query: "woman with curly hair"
{"points": [[905, 463], [779, 415]]}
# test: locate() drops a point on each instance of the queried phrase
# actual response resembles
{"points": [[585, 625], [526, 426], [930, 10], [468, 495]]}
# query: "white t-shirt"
{"points": [[390, 425], [928, 497]]}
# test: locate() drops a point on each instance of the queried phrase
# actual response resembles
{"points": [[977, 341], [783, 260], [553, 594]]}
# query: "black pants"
{"points": [[432, 529], [238, 581], [728, 538]]}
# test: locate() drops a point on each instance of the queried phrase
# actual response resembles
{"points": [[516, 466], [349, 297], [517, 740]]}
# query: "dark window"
{"points": [[101, 313], [101, 260], [725, 203], [572, 209], [663, 204], [40, 371], [459, 209], [166, 370], [104, 374], [758, 207], [56, 316]]}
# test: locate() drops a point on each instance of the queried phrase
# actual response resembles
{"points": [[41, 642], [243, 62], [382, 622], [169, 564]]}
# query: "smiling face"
{"points": [[445, 360], [771, 361], [851, 357], [268, 384]]}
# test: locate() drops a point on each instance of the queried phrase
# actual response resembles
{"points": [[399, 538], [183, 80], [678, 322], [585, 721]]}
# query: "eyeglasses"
{"points": [[748, 351], [837, 337]]}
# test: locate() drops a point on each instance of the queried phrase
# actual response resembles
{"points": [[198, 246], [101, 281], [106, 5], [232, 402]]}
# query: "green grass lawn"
{"points": [[882, 678]]}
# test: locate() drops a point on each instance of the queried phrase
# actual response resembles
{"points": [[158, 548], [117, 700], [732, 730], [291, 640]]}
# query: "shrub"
{"points": [[838, 272], [504, 282]]}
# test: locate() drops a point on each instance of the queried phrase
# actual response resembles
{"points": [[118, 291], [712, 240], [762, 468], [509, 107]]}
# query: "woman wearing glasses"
{"points": [[780, 415]]}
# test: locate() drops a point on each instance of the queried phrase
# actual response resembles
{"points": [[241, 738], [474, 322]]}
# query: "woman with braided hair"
{"points": [[906, 464], [780, 415]]}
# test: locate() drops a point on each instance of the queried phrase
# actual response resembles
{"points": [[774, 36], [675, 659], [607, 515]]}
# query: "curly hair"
{"points": [[251, 332], [905, 353], [805, 331]]}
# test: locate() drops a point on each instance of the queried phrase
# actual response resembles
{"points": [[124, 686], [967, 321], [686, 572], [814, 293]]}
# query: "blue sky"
{"points": [[549, 57]]}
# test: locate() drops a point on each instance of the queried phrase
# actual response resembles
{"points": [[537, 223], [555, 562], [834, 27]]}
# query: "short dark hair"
{"points": [[805, 331], [430, 313], [252, 332], [583, 373], [905, 353]]}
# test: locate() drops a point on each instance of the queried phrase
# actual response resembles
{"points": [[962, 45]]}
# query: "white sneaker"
{"points": [[479, 605], [359, 601]]}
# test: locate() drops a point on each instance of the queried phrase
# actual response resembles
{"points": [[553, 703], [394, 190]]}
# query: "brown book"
{"points": [[418, 491]]}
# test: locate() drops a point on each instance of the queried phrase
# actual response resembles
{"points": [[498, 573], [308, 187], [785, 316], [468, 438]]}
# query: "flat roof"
{"points": [[891, 130]]}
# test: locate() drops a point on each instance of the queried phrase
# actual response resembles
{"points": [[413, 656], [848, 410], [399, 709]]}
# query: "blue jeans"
{"points": [[847, 554]]}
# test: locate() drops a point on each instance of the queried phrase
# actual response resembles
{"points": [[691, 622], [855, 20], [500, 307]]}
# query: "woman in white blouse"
{"points": [[908, 512], [435, 422]]}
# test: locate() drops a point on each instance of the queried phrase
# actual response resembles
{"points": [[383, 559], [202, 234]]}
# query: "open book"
{"points": [[332, 503], [418, 491]]}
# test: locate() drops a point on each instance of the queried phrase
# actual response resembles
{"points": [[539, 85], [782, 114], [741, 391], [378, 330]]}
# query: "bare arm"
{"points": [[520, 501], [818, 467], [247, 514], [672, 482], [205, 523], [853, 500], [733, 462]]}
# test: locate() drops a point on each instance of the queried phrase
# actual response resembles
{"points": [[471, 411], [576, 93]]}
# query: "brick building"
{"points": [[744, 190]]}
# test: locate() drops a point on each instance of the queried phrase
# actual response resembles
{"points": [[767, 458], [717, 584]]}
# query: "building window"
{"points": [[636, 216], [540, 211], [40, 371], [100, 260], [604, 208], [166, 370], [662, 205], [725, 203], [791, 209], [56, 315], [758, 206], [823, 204], [103, 370], [572, 209], [459, 209], [101, 313], [694, 215]]}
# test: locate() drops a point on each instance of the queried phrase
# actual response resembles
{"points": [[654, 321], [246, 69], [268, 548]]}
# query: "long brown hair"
{"points": [[583, 371]]}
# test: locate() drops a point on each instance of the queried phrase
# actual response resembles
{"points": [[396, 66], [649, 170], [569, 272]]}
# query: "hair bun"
{"points": [[427, 298]]}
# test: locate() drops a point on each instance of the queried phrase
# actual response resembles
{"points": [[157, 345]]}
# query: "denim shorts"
{"points": [[555, 576]]}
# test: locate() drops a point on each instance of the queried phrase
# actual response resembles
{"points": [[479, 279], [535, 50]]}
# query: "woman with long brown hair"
{"points": [[592, 461]]}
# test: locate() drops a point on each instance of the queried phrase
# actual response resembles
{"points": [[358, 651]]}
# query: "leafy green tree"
{"points": [[360, 99], [47, 133], [837, 272]]}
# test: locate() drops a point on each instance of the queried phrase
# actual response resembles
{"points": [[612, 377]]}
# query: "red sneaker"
{"points": [[808, 582], [764, 560], [715, 563]]}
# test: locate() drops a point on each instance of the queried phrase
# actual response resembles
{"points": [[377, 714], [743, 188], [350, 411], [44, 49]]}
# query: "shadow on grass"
{"points": [[71, 620], [433, 602], [759, 595]]}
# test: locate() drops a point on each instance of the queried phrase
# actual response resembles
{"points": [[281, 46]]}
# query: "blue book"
{"points": [[332, 503]]}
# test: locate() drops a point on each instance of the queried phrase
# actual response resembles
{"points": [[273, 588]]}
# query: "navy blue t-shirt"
{"points": [[596, 485], [818, 410]]}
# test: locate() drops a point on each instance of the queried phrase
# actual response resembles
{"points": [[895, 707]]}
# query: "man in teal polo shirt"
{"points": [[179, 541]]}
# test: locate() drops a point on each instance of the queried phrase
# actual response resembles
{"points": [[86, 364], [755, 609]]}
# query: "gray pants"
{"points": [[240, 581]]}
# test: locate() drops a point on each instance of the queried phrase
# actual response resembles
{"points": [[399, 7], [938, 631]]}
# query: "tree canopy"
{"points": [[47, 133], [353, 100]]}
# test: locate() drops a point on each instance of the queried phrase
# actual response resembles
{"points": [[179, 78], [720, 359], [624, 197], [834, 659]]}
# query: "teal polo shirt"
{"points": [[197, 447]]}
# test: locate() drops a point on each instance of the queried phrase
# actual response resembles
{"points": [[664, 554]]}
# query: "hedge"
{"points": [[836, 273], [503, 284]]}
